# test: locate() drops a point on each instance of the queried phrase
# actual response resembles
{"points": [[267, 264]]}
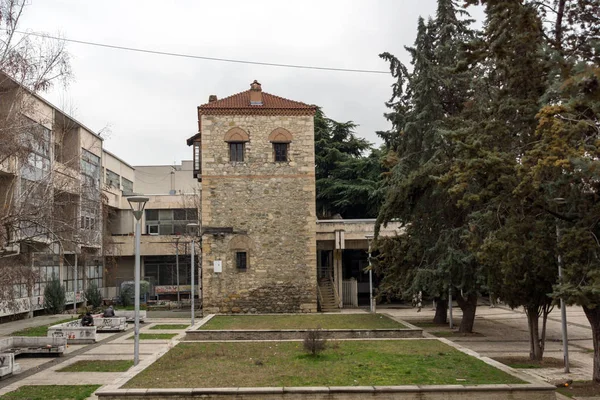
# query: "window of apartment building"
{"points": [[90, 164], [170, 222], [113, 180], [162, 270], [280, 151], [236, 151], [69, 270], [37, 140], [127, 185], [241, 259], [94, 274]]}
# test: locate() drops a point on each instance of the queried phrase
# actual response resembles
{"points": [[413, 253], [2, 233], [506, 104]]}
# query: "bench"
{"points": [[112, 324], [130, 315], [32, 345], [8, 366], [74, 332]]}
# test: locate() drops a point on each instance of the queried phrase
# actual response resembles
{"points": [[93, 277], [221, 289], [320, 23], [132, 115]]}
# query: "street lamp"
{"points": [[563, 310], [177, 266], [193, 225], [137, 204], [371, 302]]}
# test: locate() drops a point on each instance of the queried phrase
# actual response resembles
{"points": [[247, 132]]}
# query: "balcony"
{"points": [[150, 245], [66, 179]]}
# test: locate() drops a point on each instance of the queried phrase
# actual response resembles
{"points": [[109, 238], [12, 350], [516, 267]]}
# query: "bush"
{"points": [[93, 296], [54, 296], [315, 341], [126, 296]]}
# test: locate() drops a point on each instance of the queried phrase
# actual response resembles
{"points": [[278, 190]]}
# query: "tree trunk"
{"points": [[468, 306], [536, 348], [593, 316], [441, 311]]}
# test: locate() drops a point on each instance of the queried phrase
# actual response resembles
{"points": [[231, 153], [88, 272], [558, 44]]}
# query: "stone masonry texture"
{"points": [[261, 207]]}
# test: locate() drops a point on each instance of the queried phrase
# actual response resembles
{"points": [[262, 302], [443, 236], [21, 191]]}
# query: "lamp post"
{"points": [[177, 266], [371, 303], [137, 204], [563, 310], [193, 250]]}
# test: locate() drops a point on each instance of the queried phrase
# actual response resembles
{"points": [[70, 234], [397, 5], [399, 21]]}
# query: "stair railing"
{"points": [[335, 290]]}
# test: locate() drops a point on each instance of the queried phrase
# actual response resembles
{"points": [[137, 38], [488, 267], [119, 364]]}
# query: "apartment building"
{"points": [[51, 201]]}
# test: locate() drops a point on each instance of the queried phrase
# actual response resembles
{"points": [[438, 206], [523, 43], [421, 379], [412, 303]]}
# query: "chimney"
{"points": [[255, 94], [212, 97]]}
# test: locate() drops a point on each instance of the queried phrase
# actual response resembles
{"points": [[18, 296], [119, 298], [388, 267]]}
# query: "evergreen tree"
{"points": [[347, 181], [54, 296], [498, 127], [424, 106]]}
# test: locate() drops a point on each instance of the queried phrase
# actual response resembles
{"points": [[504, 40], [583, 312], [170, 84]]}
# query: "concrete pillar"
{"points": [[337, 268]]}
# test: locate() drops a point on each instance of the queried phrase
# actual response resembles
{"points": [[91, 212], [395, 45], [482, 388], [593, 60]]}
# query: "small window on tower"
{"points": [[241, 260], [280, 150], [236, 151]]}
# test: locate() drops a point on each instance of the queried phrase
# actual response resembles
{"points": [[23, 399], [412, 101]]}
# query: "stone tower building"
{"points": [[254, 155]]}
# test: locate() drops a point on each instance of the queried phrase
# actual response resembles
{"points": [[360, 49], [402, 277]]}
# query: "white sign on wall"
{"points": [[218, 266]]}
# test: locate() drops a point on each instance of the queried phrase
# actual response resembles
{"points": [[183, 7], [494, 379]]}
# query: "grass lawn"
{"points": [[447, 334], [344, 363], [170, 326], [40, 330], [581, 389], [149, 336], [52, 392], [99, 366], [301, 321], [525, 362]]}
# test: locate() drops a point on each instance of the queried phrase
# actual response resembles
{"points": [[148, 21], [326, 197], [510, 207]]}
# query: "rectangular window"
{"points": [[197, 159], [280, 150], [152, 229], [113, 180], [236, 151], [127, 185], [240, 260]]}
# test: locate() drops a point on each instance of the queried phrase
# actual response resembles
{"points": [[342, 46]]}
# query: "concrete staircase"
{"points": [[328, 302]]}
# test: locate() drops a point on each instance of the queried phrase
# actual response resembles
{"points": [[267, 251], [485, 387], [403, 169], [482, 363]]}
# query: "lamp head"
{"points": [[137, 204]]}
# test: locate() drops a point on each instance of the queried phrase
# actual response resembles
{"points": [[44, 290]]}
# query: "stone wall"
{"points": [[261, 207], [300, 334]]}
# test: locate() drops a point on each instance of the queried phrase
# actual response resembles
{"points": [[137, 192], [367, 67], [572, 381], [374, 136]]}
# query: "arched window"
{"points": [[281, 139], [236, 137]]}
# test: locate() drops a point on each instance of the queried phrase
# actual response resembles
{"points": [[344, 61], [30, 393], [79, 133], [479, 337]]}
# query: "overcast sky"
{"points": [[149, 101]]}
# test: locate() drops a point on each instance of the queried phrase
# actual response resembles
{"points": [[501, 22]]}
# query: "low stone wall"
{"points": [[73, 332], [300, 334], [114, 324], [531, 391], [32, 345]]}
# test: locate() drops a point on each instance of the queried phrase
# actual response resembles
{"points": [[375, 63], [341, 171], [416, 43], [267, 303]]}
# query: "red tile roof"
{"points": [[271, 105]]}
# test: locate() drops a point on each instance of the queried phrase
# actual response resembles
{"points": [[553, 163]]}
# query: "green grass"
{"points": [[148, 336], [581, 389], [170, 326], [344, 363], [301, 321], [40, 330], [52, 392], [99, 366]]}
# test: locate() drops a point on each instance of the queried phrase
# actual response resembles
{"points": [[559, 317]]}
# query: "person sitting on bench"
{"points": [[109, 312], [87, 319]]}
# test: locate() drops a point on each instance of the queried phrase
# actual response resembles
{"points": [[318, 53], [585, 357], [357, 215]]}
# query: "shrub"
{"points": [[93, 295], [126, 296], [315, 341], [54, 296]]}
